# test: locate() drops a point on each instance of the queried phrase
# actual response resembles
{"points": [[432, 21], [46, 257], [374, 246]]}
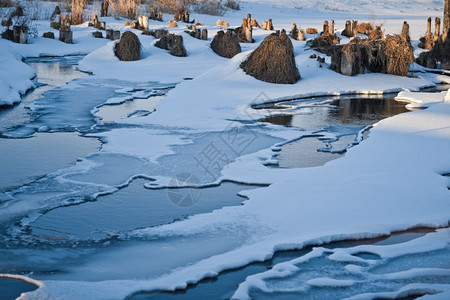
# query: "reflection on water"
{"points": [[23, 160], [51, 73], [56, 71], [355, 111], [303, 154], [342, 118], [147, 207]]}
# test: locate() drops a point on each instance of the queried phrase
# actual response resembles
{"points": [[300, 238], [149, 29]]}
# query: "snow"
{"points": [[152, 144], [430, 242], [330, 282], [15, 76], [388, 183], [420, 99]]}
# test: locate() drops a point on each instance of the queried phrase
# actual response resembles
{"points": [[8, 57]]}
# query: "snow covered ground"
{"points": [[393, 181]]}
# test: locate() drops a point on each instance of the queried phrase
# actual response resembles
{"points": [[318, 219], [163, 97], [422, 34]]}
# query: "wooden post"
{"points": [[446, 26], [428, 27], [294, 32], [95, 21], [355, 28], [405, 31], [144, 24], [332, 27], [348, 29], [247, 29], [204, 34], [326, 28], [66, 23], [437, 28]]}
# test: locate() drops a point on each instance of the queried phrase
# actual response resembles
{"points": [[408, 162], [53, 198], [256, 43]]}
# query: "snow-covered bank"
{"points": [[15, 76], [422, 100]]}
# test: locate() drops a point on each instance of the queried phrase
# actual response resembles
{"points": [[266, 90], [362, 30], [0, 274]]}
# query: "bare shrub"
{"points": [[124, 8], [35, 10], [77, 11], [6, 3], [92, 10], [233, 4], [170, 6], [209, 7]]}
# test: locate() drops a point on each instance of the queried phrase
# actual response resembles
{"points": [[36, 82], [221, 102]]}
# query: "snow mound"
{"points": [[15, 76], [420, 99]]}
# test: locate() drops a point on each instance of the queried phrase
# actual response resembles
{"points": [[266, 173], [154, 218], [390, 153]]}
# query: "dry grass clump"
{"points": [[273, 61], [129, 47], [226, 44], [223, 23], [399, 55], [310, 30]]}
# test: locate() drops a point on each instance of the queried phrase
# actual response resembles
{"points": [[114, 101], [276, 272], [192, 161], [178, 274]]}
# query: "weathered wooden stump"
{"points": [[354, 28], [244, 33], [297, 34], [446, 26], [66, 36], [20, 34], [143, 22], [437, 29], [204, 34], [348, 32], [331, 29], [326, 28], [173, 43], [267, 25], [112, 34], [48, 35], [97, 34]]}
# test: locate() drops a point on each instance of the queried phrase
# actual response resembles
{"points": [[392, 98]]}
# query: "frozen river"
{"points": [[69, 200]]}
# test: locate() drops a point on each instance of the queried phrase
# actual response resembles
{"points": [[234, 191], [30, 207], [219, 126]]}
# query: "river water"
{"points": [[65, 203]]}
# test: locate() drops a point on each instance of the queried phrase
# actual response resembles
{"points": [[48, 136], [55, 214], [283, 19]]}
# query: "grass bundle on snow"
{"points": [[129, 47], [226, 44], [273, 61]]}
